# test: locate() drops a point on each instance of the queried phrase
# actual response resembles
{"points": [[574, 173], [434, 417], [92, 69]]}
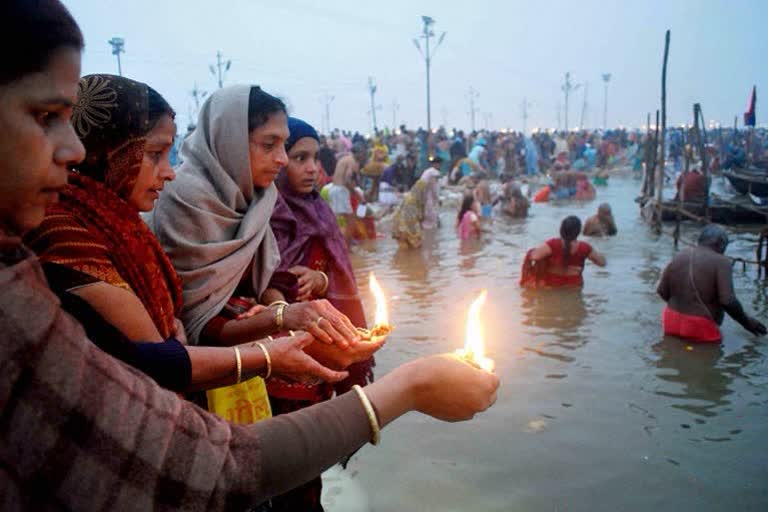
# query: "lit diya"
{"points": [[474, 348], [381, 327]]}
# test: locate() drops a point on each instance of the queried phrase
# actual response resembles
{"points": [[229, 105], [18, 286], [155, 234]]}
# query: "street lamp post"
{"points": [[427, 34], [118, 44], [606, 79]]}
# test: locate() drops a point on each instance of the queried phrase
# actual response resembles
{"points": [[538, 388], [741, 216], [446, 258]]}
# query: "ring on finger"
{"points": [[318, 320]]}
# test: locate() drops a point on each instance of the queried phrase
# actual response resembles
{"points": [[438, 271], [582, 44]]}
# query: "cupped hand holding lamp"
{"points": [[318, 317]]}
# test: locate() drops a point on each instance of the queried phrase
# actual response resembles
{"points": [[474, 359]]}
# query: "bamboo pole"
{"points": [[661, 163], [702, 153]]}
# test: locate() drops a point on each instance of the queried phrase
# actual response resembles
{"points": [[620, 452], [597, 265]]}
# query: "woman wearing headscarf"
{"points": [[103, 262], [213, 222], [313, 249], [84, 430]]}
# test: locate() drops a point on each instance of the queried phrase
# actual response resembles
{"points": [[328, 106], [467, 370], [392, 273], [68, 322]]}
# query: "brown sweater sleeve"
{"points": [[83, 431]]}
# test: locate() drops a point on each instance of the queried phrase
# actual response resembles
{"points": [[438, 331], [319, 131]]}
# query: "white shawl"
{"points": [[211, 221]]}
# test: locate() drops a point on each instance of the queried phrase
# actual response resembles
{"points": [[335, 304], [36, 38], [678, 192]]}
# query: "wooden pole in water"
{"points": [[660, 168], [697, 115], [646, 157], [650, 168]]}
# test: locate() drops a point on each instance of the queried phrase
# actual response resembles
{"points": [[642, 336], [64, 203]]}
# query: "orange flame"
{"points": [[381, 318], [474, 348]]}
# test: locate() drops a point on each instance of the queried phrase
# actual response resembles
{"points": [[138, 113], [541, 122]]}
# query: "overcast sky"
{"points": [[507, 50]]}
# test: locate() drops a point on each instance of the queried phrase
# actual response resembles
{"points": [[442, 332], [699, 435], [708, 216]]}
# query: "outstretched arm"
{"points": [[597, 258]]}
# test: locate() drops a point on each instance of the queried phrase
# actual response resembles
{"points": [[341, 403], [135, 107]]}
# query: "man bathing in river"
{"points": [[698, 288]]}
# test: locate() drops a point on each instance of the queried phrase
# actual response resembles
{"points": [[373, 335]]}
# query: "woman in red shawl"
{"points": [[313, 249], [93, 242]]}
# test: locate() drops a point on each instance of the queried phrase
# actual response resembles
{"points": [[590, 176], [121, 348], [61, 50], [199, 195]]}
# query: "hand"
{"points": [[311, 282], [178, 331], [339, 359], [291, 361], [257, 308], [322, 320], [755, 327], [448, 388]]}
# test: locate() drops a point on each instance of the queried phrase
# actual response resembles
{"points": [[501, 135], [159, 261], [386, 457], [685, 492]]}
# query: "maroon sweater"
{"points": [[80, 430]]}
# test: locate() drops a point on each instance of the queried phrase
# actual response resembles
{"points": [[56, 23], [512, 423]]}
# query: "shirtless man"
{"points": [[344, 184], [698, 288], [602, 223]]}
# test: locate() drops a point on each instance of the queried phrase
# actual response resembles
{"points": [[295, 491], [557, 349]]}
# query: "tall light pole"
{"points": [[427, 34], [327, 100], [118, 44], [473, 95], [197, 95], [372, 91], [395, 108], [217, 70], [606, 79], [584, 106], [567, 88], [525, 106]]}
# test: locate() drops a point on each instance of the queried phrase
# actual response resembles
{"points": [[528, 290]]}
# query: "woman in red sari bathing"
{"points": [[563, 258]]}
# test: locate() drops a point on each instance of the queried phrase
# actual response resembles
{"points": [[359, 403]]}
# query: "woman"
{"points": [[102, 260], [213, 223], [313, 249], [409, 217], [564, 256], [431, 175], [468, 219], [513, 202], [84, 429]]}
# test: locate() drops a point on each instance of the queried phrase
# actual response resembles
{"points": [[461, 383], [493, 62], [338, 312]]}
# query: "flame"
{"points": [[474, 348], [381, 318]]}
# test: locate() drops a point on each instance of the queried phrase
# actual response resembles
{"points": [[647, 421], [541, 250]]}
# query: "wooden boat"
{"points": [[748, 181], [719, 212]]}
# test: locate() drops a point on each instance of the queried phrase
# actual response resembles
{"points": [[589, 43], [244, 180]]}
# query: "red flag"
{"points": [[749, 115]]}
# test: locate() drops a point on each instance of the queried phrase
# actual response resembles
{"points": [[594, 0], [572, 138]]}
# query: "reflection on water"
{"points": [[703, 375], [590, 398], [701, 386]]}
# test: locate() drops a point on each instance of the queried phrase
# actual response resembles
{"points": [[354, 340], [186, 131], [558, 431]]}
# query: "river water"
{"points": [[596, 410]]}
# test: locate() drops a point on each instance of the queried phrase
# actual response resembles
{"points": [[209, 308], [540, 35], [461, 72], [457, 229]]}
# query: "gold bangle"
{"points": [[375, 429], [279, 315], [278, 302], [239, 365], [325, 286], [268, 359]]}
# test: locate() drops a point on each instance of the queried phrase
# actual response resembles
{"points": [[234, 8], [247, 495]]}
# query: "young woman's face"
{"points": [[267, 149], [302, 165], [155, 167], [38, 142]]}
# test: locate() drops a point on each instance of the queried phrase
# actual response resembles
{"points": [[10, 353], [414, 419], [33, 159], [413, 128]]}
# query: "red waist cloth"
{"points": [[689, 327]]}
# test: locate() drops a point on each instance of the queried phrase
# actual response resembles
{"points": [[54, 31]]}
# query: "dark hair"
{"points": [[466, 205], [261, 106], [32, 31], [157, 107], [569, 231]]}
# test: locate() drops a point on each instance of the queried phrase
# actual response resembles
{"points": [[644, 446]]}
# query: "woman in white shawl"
{"points": [[213, 222]]}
